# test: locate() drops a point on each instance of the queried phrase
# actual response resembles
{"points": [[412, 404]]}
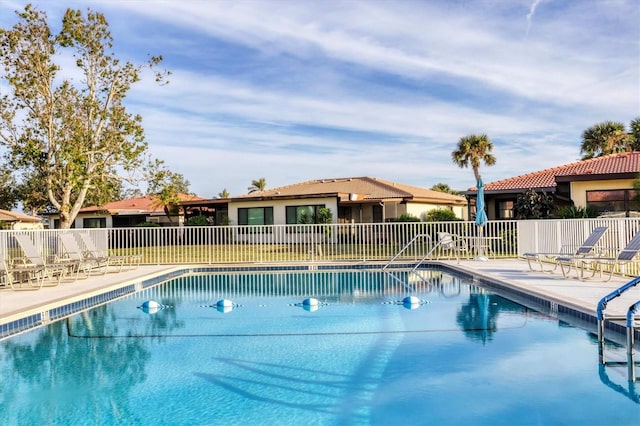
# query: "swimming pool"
{"points": [[460, 355]]}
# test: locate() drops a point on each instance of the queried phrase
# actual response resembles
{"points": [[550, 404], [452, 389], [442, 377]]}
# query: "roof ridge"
{"points": [[566, 166], [394, 185], [307, 182], [606, 164]]}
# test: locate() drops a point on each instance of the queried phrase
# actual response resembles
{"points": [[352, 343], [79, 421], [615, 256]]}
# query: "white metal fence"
{"points": [[351, 242], [269, 244], [291, 243], [566, 235]]}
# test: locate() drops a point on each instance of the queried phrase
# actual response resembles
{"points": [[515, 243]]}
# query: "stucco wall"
{"points": [[79, 219], [419, 210], [279, 208], [579, 189]]}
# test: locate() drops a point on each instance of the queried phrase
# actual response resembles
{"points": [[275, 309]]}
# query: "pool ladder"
{"points": [[630, 324], [409, 244]]}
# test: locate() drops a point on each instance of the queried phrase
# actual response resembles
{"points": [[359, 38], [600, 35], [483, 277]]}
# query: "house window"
{"points": [[56, 224], [505, 209], [255, 216], [616, 200], [94, 222], [303, 214], [128, 221]]}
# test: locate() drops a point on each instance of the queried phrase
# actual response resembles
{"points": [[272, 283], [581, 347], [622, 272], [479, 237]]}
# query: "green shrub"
{"points": [[197, 221], [147, 225], [573, 212], [406, 217], [440, 215], [324, 215], [305, 218], [533, 205], [225, 220]]}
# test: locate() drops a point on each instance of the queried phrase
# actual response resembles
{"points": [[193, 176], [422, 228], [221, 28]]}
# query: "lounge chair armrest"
{"points": [[61, 259], [23, 260], [56, 258], [568, 249], [605, 252]]}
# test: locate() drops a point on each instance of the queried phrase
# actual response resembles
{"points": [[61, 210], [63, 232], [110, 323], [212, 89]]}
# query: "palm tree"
{"points": [[224, 194], [634, 130], [605, 138], [166, 187], [443, 187], [257, 185], [472, 150]]}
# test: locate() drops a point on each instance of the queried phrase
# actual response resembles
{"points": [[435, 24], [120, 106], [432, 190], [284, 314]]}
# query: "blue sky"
{"points": [[299, 90]]}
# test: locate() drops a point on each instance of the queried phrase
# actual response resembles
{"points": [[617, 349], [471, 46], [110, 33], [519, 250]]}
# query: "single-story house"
{"points": [[350, 200], [126, 213], [15, 220], [603, 183]]}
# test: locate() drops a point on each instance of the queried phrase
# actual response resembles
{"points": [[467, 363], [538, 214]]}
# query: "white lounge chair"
{"points": [[131, 261], [85, 262], [588, 248], [35, 266], [597, 263], [21, 277]]}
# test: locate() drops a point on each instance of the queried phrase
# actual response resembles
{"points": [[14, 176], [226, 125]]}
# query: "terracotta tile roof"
{"points": [[136, 205], [365, 188], [624, 163]]}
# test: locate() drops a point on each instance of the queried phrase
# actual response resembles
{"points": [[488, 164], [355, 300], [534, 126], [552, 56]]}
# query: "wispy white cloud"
{"points": [[428, 43], [532, 11]]}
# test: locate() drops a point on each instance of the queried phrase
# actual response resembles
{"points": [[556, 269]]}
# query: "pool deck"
{"points": [[581, 295], [16, 303]]}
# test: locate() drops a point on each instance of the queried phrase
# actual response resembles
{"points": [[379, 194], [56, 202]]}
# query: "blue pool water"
{"points": [[462, 356]]}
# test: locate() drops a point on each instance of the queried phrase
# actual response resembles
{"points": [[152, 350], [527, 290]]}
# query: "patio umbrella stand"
{"points": [[481, 221]]}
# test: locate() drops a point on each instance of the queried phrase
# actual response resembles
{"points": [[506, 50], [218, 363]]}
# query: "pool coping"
{"points": [[41, 314]]}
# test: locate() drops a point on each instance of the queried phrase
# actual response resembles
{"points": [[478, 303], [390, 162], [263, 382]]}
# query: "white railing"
{"points": [[566, 235], [269, 244], [291, 243], [310, 243]]}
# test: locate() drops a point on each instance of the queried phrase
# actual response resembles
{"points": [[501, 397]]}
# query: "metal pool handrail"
{"points": [[407, 246], [631, 313], [602, 305]]}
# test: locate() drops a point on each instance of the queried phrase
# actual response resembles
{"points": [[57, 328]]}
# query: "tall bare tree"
{"points": [[73, 134]]}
